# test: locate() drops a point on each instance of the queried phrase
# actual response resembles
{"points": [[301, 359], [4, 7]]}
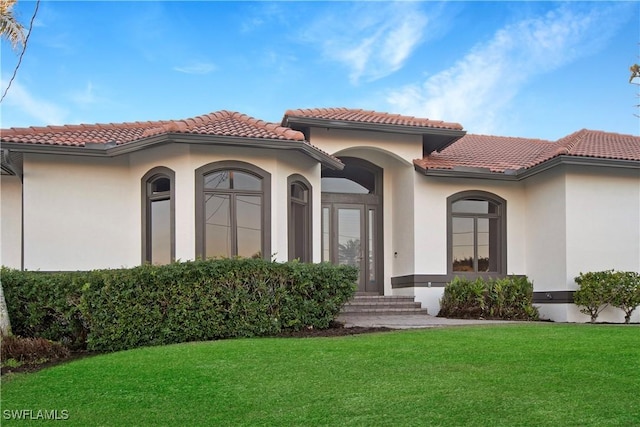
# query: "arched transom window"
{"points": [[299, 218], [158, 223]]}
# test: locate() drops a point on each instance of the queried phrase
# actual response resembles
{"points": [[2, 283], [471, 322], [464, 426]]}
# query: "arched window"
{"points": [[299, 218], [233, 213], [158, 216], [477, 233]]}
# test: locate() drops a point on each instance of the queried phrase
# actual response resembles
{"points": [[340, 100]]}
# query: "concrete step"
{"points": [[386, 312], [382, 305]]}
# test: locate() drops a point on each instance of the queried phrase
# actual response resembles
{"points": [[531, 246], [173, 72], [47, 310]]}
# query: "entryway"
{"points": [[352, 220]]}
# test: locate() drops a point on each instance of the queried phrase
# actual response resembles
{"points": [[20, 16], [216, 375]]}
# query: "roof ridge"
{"points": [[358, 115], [567, 143], [520, 138], [273, 127]]}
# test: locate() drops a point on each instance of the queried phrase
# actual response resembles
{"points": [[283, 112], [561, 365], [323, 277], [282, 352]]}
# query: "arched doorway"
{"points": [[352, 220]]}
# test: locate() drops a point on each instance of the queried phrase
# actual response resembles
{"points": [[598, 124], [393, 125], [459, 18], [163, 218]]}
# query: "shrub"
{"points": [[594, 293], [31, 350], [626, 293], [46, 305], [598, 289], [110, 310], [509, 298]]}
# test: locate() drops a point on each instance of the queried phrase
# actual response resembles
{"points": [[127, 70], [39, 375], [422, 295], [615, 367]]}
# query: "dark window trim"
{"points": [[308, 245], [147, 197], [200, 205], [502, 229]]}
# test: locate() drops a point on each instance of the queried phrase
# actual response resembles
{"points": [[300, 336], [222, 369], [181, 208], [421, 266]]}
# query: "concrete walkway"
{"points": [[409, 321]]}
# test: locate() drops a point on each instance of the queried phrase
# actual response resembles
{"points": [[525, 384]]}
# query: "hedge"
{"points": [[598, 289], [510, 298], [109, 310]]}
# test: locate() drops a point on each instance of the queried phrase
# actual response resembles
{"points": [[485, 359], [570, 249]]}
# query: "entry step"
{"points": [[382, 305]]}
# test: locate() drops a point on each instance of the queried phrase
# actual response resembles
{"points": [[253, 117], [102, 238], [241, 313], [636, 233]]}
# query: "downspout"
{"points": [[9, 165]]}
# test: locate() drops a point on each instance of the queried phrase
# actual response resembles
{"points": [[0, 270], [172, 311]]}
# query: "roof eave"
{"points": [[473, 173], [523, 173], [291, 121], [111, 151], [579, 161]]}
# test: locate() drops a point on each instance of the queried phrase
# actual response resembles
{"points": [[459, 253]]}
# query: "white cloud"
{"points": [[28, 109], [372, 39], [85, 97], [197, 68], [478, 89]]}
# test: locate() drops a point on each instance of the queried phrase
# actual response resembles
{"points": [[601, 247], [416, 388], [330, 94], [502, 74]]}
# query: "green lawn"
{"points": [[511, 375]]}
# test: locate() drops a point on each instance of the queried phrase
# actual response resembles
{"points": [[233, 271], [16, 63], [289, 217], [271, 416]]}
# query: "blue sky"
{"points": [[530, 69]]}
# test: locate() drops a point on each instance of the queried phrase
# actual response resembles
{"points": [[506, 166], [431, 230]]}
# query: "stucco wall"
{"points": [[603, 226], [405, 147], [581, 219], [546, 230], [11, 221], [85, 213], [431, 220], [603, 220], [79, 213]]}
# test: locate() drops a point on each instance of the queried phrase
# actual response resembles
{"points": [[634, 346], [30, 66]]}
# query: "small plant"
{"points": [[594, 293], [17, 351], [509, 298], [626, 292]]}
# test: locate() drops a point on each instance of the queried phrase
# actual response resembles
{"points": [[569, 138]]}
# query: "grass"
{"points": [[512, 375]]}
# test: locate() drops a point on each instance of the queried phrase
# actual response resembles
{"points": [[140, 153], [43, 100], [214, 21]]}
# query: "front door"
{"points": [[351, 221], [349, 238]]}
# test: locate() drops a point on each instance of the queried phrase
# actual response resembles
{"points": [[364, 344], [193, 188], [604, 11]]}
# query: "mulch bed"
{"points": [[336, 329]]}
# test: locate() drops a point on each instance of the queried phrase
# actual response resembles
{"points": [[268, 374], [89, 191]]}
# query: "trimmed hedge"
{"points": [[109, 310], [598, 289], [510, 298]]}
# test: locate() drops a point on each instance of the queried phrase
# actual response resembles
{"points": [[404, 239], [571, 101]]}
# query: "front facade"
{"points": [[411, 202]]}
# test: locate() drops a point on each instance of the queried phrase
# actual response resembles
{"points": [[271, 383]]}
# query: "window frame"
{"points": [[297, 179], [500, 215], [147, 198], [200, 205]]}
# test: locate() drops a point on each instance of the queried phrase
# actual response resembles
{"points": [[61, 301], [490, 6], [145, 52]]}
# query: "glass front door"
{"points": [[349, 238]]}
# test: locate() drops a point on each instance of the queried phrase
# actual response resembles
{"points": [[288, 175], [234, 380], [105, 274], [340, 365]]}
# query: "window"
{"points": [[476, 233], [299, 218], [233, 214], [158, 218]]}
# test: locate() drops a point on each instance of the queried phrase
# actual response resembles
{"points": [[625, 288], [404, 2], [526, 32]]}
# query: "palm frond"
{"points": [[9, 26]]}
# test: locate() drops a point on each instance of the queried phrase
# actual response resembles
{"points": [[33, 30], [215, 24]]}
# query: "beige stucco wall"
{"points": [[603, 219], [10, 221], [431, 220], [85, 212], [581, 219], [603, 226], [405, 148], [79, 213], [545, 221]]}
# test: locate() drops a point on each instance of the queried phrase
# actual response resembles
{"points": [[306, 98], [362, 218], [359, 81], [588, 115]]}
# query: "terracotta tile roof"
{"points": [[498, 153], [593, 143], [221, 123], [368, 117]]}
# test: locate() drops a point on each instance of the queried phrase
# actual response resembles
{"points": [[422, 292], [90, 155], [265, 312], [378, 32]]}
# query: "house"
{"points": [[412, 202]]}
